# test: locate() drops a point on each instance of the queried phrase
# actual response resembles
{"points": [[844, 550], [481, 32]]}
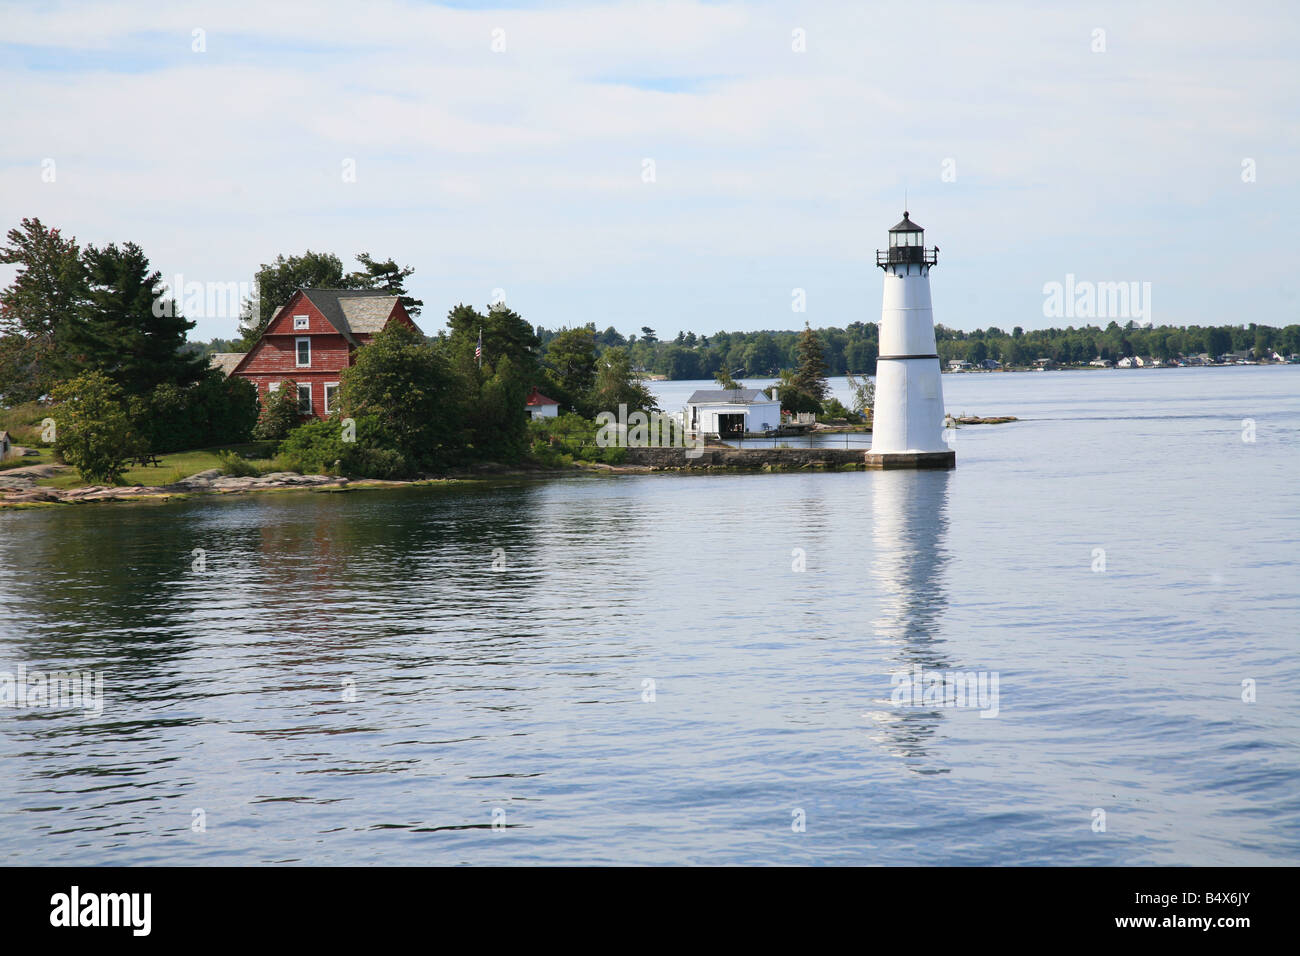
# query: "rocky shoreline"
{"points": [[21, 489]]}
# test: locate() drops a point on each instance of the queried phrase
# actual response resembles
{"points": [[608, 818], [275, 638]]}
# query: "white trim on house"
{"points": [[301, 386], [329, 408], [297, 351], [301, 322], [272, 388]]}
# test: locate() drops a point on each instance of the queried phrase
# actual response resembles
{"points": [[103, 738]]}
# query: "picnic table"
{"points": [[149, 459]]}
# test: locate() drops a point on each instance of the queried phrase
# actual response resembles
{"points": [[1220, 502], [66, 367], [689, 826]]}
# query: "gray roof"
{"points": [[738, 396], [226, 361], [353, 311], [907, 225]]}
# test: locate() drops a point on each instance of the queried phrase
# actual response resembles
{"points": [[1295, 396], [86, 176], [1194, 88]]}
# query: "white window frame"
{"points": [[329, 409], [272, 388], [297, 352], [301, 322], [301, 386]]}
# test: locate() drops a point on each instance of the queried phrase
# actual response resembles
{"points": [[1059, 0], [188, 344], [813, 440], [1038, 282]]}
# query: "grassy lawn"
{"points": [[43, 456], [174, 467]]}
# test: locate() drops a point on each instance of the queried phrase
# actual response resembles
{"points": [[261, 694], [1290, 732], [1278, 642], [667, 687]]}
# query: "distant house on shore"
{"points": [[991, 364], [958, 365], [1044, 363], [723, 412], [1101, 363], [311, 339], [538, 405]]}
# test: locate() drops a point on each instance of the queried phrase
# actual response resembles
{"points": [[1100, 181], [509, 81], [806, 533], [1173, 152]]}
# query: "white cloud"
{"points": [[486, 169]]}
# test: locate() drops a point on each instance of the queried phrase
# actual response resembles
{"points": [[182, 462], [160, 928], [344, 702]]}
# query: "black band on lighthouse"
{"points": [[888, 358]]}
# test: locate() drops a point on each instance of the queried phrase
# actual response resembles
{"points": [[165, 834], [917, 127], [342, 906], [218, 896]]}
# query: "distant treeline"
{"points": [[854, 349]]}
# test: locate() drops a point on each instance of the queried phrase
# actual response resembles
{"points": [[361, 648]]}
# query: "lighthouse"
{"points": [[907, 429]]}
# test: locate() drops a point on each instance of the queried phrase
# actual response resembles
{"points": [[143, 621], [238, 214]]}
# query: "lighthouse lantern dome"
{"points": [[907, 247], [906, 233]]}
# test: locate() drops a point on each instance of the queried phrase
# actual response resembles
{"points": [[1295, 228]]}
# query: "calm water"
{"points": [[228, 689]]}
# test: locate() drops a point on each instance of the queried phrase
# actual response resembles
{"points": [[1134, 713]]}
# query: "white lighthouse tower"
{"points": [[907, 431]]}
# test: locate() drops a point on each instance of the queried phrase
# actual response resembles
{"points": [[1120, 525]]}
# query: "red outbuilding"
{"points": [[311, 339]]}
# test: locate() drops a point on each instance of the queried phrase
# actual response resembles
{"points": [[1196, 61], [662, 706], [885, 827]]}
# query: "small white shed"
{"points": [[731, 412], [539, 406]]}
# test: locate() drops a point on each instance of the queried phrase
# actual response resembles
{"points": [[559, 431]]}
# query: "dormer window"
{"points": [[301, 322], [303, 347]]}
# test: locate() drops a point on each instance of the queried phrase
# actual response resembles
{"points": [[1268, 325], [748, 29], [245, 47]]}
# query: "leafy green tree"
{"points": [[864, 395], [1217, 342], [571, 357], [611, 336], [724, 380], [278, 280], [792, 397], [860, 356], [93, 430], [505, 335], [810, 376], [499, 425], [407, 385], [214, 411], [679, 362], [37, 309], [279, 413], [758, 357], [618, 384]]}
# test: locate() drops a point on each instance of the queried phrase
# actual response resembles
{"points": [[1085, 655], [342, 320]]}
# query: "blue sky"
{"points": [[1028, 149]]}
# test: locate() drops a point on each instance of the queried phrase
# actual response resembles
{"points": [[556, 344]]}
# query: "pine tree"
{"points": [[389, 277], [127, 327], [810, 376]]}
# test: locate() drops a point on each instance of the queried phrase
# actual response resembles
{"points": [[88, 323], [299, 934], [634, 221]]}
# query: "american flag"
{"points": [[478, 350]]}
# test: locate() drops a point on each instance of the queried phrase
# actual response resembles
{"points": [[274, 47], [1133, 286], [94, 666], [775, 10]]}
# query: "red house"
{"points": [[311, 339]]}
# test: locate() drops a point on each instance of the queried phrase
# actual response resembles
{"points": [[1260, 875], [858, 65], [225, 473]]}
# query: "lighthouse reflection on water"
{"points": [[909, 556]]}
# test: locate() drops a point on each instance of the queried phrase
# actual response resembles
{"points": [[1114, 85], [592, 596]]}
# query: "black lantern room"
{"points": [[907, 246]]}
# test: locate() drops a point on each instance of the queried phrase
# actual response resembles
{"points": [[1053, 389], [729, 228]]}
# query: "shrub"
{"points": [[236, 465], [404, 384], [834, 408], [93, 430], [544, 453], [386, 463], [279, 413], [314, 448], [213, 411]]}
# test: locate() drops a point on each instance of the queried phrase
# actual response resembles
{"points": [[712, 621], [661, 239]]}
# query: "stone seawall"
{"points": [[753, 459]]}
